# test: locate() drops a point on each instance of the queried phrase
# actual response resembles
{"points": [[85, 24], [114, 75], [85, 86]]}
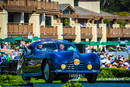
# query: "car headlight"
{"points": [[89, 67], [76, 62], [63, 66]]}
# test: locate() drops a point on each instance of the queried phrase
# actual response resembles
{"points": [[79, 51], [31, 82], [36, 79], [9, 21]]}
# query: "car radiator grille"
{"points": [[71, 66]]}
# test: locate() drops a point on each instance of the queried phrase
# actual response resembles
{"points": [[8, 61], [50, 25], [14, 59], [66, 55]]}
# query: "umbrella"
{"points": [[128, 43], [36, 38], [9, 39], [93, 43], [21, 38]]}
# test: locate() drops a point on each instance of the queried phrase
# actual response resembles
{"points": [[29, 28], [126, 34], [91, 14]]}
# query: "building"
{"points": [[61, 19]]}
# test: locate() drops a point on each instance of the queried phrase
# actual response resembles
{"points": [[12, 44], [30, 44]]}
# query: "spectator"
{"points": [[5, 46], [114, 65], [103, 60], [112, 59], [8, 46], [0, 46], [16, 53], [22, 46], [126, 65], [120, 63], [108, 64]]}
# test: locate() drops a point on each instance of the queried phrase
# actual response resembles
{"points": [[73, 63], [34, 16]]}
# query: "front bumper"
{"points": [[76, 71]]}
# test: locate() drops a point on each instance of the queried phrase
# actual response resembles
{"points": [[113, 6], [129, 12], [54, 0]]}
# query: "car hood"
{"points": [[64, 57], [70, 56]]}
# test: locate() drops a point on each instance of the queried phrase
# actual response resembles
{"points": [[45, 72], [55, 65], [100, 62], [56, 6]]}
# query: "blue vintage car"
{"points": [[3, 61], [7, 65], [54, 59]]}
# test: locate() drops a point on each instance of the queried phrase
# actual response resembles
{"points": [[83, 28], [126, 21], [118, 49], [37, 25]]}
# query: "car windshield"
{"points": [[66, 47]]}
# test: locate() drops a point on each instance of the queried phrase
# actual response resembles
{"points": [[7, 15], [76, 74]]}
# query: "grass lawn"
{"points": [[14, 80]]}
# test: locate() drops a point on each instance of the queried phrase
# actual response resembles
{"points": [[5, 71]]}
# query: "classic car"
{"points": [[7, 65], [54, 59], [3, 61]]}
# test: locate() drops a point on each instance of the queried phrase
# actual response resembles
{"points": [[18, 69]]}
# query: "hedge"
{"points": [[114, 73], [68, 84]]}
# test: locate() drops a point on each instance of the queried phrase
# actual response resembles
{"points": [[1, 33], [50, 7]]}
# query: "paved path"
{"points": [[98, 84]]}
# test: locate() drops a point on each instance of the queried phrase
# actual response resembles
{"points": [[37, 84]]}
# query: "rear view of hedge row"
{"points": [[114, 73]]}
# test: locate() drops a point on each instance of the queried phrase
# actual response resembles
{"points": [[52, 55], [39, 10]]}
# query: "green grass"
{"points": [[14, 80], [33, 80], [11, 80]]}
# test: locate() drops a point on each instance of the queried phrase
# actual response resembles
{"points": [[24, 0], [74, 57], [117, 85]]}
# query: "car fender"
{"points": [[90, 58]]}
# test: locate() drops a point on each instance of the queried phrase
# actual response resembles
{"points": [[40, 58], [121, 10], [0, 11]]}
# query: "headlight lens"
{"points": [[89, 67], [63, 66], [76, 62]]}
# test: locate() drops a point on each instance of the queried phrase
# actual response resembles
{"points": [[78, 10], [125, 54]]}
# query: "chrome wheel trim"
{"points": [[46, 72]]}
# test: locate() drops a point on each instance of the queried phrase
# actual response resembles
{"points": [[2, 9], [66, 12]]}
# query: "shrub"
{"points": [[72, 84], [114, 73], [122, 24], [11, 80], [106, 21], [106, 73], [67, 22]]}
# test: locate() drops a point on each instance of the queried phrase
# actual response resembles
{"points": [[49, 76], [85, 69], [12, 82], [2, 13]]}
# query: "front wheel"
{"points": [[92, 78], [47, 74]]}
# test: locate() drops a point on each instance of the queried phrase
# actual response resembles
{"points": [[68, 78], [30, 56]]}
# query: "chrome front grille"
{"points": [[71, 66]]}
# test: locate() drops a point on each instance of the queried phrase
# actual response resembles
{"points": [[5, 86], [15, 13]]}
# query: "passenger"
{"points": [[62, 47]]}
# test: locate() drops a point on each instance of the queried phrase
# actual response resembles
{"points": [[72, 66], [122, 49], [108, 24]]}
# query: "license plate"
{"points": [[76, 75]]}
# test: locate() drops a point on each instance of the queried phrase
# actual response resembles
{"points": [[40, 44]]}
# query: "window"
{"points": [[76, 2], [68, 11], [26, 18], [49, 47], [66, 47], [48, 21]]}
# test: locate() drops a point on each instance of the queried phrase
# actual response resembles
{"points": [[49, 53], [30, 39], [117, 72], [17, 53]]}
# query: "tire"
{"points": [[46, 72], [91, 78], [26, 78]]}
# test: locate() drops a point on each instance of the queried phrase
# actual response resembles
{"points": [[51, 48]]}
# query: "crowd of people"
{"points": [[109, 60], [14, 50]]}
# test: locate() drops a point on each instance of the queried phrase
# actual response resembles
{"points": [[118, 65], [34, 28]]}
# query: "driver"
{"points": [[41, 48]]}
